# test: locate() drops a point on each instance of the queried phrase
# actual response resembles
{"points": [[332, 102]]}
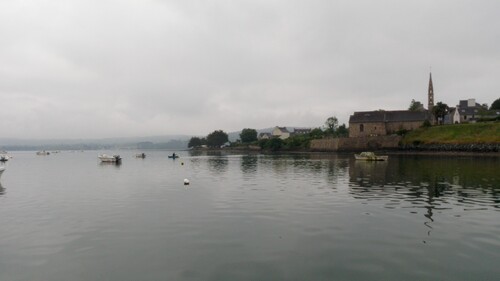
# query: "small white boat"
{"points": [[1, 170], [109, 158], [370, 156], [43, 153], [4, 157]]}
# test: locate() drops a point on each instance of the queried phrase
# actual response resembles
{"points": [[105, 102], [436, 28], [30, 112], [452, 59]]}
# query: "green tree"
{"points": [[439, 111], [415, 106], [342, 131], [217, 138], [194, 142], [316, 133], [495, 105], [248, 135], [331, 124], [275, 144]]}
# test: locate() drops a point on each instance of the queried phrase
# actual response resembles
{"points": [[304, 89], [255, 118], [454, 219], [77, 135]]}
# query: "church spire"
{"points": [[430, 93]]}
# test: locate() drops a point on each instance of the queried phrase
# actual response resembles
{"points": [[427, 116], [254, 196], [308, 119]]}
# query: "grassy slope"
{"points": [[455, 134]]}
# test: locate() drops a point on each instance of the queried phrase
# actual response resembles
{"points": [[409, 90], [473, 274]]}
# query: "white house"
{"points": [[281, 132], [453, 117]]}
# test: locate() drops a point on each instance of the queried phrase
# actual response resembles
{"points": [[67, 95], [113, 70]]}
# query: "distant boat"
{"points": [[43, 152], [140, 155], [370, 156], [1, 170], [110, 158], [173, 156]]}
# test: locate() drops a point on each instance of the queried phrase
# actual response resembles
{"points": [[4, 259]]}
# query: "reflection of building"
{"points": [[368, 173]]}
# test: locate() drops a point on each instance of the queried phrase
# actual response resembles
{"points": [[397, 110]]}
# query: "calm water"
{"points": [[249, 217]]}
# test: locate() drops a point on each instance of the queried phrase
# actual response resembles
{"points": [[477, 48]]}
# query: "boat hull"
{"points": [[370, 156], [109, 158]]}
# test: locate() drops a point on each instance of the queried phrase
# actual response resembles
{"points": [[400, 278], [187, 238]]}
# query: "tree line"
{"points": [[249, 136]]}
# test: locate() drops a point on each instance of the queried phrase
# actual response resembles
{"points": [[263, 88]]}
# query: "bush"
{"points": [[426, 124], [402, 132]]}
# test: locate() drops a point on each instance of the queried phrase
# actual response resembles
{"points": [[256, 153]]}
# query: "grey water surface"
{"points": [[66, 216]]}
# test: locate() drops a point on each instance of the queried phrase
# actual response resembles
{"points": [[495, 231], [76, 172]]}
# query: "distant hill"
{"points": [[152, 142]]}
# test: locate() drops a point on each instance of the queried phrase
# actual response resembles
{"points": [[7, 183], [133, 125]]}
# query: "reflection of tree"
{"points": [[429, 180], [2, 190], [217, 164], [308, 167], [196, 152], [249, 164]]}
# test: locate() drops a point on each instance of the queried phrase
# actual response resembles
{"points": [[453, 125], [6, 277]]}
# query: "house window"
{"points": [[465, 117], [361, 128]]}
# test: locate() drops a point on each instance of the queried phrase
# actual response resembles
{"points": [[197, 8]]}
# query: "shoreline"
{"points": [[378, 151]]}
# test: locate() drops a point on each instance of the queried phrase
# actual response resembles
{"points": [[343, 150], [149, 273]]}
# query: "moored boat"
{"points": [[43, 152], [173, 156], [140, 155], [4, 158], [109, 158], [370, 156]]}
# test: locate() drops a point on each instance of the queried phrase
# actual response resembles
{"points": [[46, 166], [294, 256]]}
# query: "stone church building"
{"points": [[381, 123]]}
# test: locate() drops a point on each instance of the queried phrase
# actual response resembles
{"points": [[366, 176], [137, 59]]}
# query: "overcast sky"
{"points": [[98, 68]]}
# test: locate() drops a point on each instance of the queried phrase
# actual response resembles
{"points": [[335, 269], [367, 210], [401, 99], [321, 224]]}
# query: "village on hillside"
{"points": [[384, 122], [366, 130]]}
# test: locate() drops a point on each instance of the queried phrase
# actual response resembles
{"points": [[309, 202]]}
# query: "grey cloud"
{"points": [[77, 69]]}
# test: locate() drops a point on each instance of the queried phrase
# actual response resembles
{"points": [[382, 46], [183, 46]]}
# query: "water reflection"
{"points": [[217, 164], [435, 184], [249, 164], [2, 190], [115, 164]]}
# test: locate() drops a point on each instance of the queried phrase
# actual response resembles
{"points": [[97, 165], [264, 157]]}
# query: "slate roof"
{"points": [[282, 129], [464, 109], [388, 116]]}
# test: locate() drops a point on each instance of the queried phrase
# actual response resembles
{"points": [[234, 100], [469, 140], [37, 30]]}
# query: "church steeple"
{"points": [[430, 94]]}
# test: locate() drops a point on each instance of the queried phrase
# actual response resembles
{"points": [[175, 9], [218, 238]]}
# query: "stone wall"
{"points": [[393, 127], [369, 129], [356, 144]]}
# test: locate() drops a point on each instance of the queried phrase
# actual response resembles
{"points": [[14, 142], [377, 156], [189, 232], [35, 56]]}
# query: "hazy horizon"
{"points": [[104, 69]]}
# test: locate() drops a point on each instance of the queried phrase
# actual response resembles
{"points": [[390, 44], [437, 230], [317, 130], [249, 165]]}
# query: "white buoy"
{"points": [[186, 182]]}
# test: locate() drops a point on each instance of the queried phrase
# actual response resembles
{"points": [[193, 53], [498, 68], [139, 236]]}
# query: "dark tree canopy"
{"points": [[194, 142], [316, 133], [217, 138], [275, 144], [440, 110], [331, 124], [248, 135], [495, 105], [342, 131], [415, 106]]}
